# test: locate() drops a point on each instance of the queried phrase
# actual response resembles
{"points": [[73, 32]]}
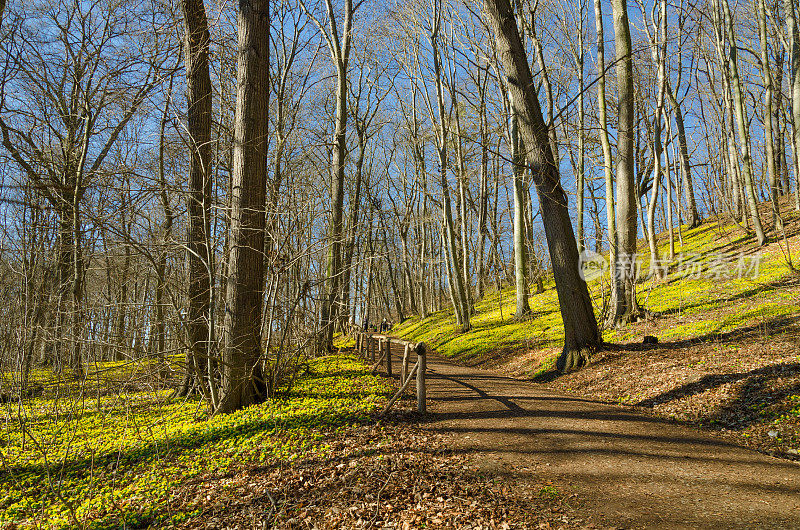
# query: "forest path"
{"points": [[628, 470]]}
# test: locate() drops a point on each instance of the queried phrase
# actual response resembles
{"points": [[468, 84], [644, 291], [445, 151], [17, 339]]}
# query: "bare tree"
{"points": [[658, 51], [732, 72], [68, 99], [624, 306], [339, 47], [199, 110], [581, 335], [242, 382], [769, 112], [604, 141], [449, 238], [793, 34]]}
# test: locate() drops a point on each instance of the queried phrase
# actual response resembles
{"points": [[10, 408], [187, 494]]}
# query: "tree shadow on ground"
{"points": [[753, 389], [781, 326]]}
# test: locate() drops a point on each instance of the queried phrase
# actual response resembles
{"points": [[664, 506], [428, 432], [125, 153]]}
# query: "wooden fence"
{"points": [[377, 349]]}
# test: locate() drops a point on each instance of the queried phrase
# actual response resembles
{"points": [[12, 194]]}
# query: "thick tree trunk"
{"points": [[334, 268], [581, 336], [242, 381], [68, 272], [199, 109]]}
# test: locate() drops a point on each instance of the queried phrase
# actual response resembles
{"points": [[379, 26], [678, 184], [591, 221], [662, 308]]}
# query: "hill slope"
{"points": [[727, 317]]}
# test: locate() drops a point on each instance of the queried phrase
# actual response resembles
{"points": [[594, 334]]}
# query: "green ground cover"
{"points": [[702, 291], [115, 460]]}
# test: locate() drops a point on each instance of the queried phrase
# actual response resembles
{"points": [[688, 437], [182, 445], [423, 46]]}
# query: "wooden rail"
{"points": [[376, 348]]}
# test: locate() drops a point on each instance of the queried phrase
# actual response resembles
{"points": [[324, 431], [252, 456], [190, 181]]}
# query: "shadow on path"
{"points": [[629, 470]]}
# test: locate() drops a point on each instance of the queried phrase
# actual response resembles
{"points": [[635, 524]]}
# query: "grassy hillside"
{"points": [[727, 319]]}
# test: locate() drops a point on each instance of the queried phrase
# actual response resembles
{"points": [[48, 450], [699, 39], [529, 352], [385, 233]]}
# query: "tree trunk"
{"points": [[779, 119], [122, 342], [340, 53], [604, 142], [744, 137], [520, 243], [548, 86], [683, 148], [581, 336], [793, 33], [483, 199], [658, 52], [242, 381], [624, 307], [77, 285], [160, 327], [668, 187], [466, 272], [580, 177], [199, 109], [769, 137], [455, 277], [686, 168], [355, 208]]}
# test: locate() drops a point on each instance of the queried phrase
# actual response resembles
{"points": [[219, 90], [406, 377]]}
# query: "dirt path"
{"points": [[628, 470]]}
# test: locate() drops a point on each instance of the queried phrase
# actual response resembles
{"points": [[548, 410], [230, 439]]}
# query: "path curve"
{"points": [[629, 470]]}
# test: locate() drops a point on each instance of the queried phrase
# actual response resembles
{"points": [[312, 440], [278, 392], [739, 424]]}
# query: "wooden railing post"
{"points": [[421, 369], [404, 366], [388, 352], [373, 344]]}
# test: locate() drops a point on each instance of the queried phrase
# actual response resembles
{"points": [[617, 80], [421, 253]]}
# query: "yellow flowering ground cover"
{"points": [[108, 461]]}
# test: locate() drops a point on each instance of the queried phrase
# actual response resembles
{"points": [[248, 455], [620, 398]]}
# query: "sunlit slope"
{"points": [[718, 281]]}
